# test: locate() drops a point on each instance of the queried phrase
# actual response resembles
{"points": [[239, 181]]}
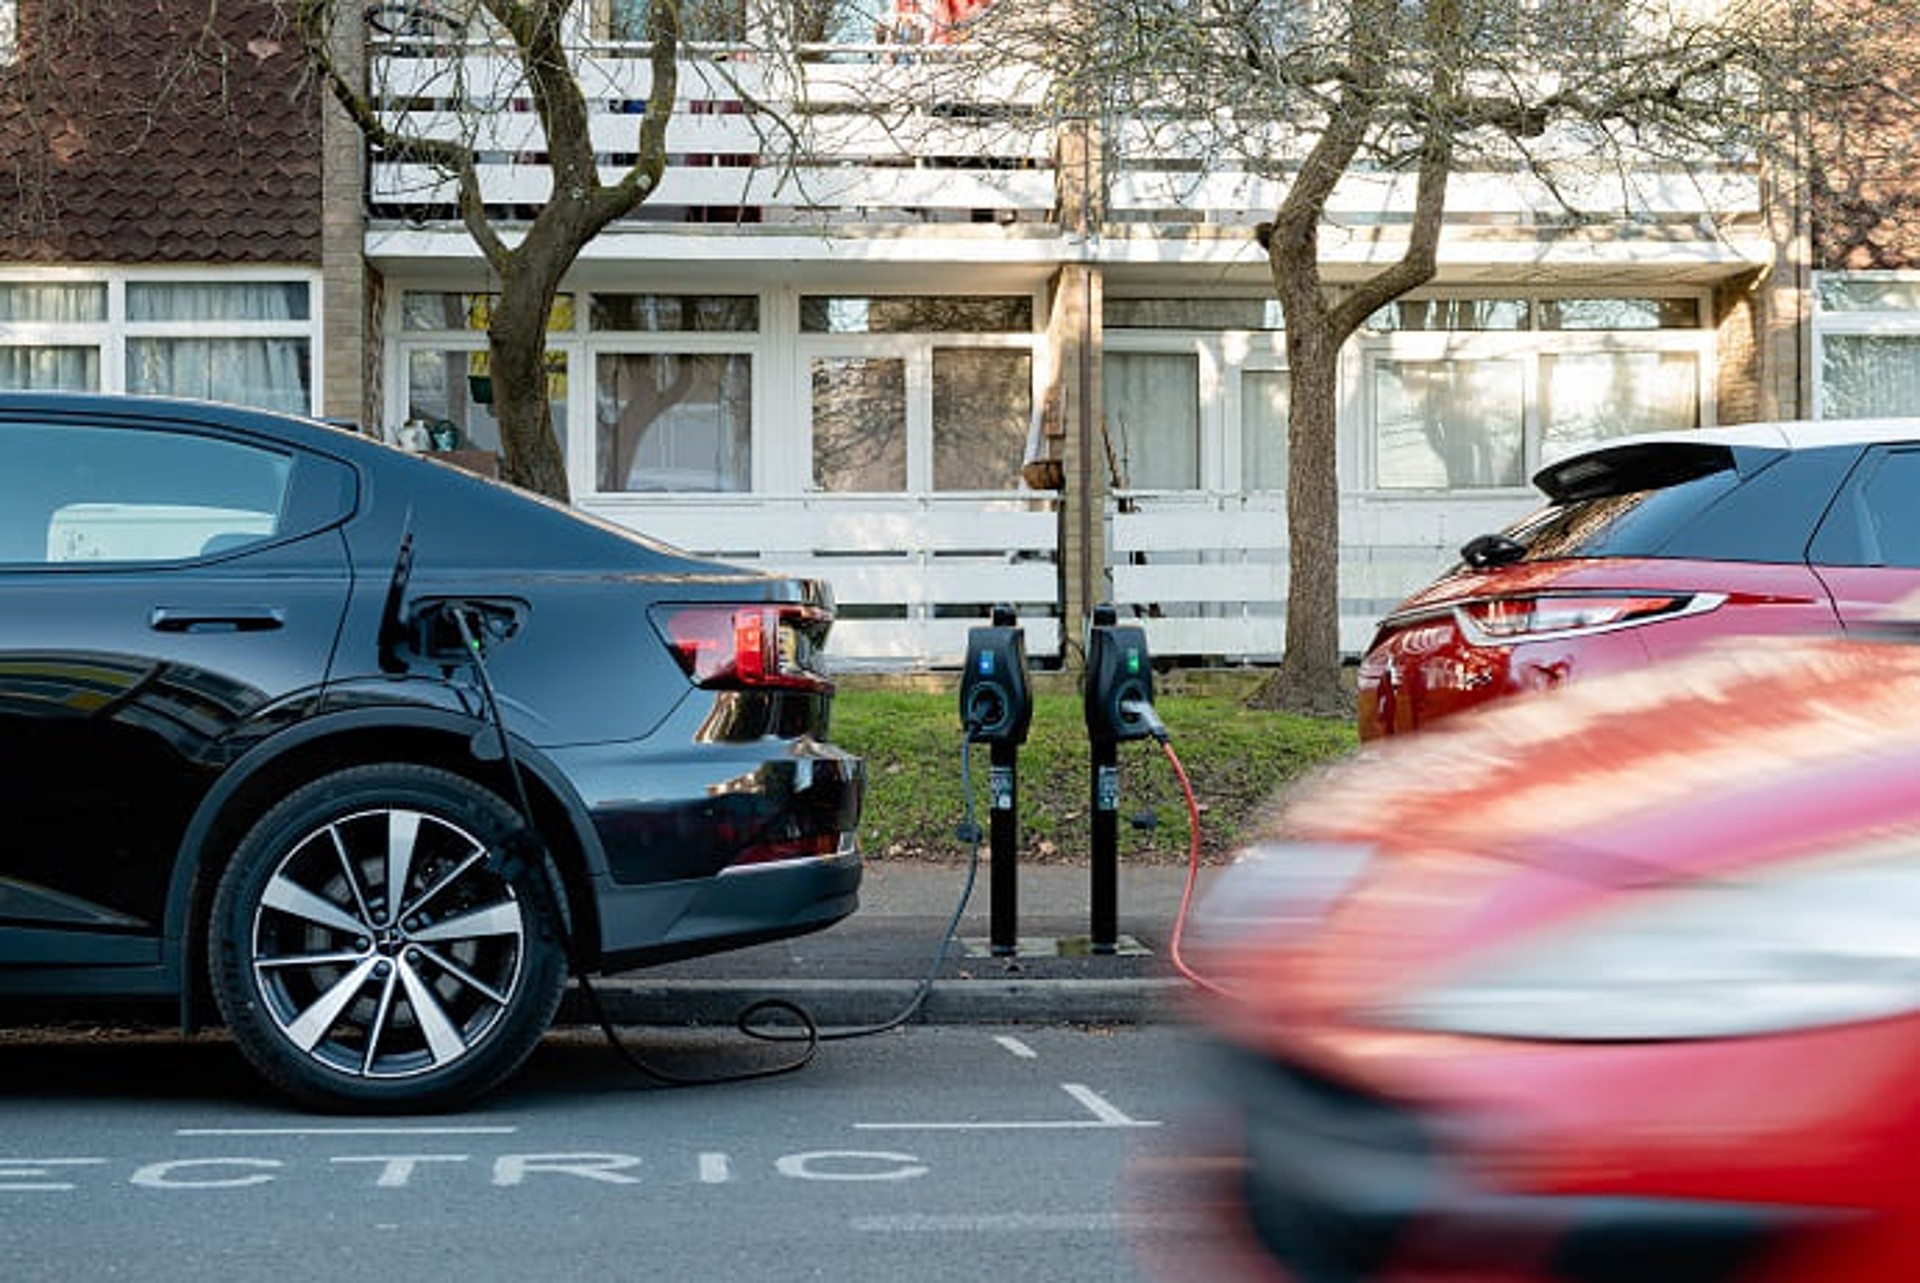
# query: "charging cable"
{"points": [[1144, 712], [970, 833], [750, 1021]]}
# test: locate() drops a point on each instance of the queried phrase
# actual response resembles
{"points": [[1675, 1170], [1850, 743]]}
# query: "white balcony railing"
{"points": [[865, 139]]}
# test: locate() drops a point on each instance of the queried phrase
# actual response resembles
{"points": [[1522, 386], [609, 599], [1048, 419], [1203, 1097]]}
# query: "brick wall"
{"points": [[1864, 176]]}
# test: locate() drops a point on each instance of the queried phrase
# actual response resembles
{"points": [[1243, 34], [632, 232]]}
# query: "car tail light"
{"points": [[1510, 619], [746, 647]]}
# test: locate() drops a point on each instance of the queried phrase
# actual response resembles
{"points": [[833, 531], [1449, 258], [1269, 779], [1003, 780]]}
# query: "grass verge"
{"points": [[1236, 757]]}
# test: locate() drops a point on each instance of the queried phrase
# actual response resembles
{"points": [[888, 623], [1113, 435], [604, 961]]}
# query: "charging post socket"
{"points": [[996, 708]]}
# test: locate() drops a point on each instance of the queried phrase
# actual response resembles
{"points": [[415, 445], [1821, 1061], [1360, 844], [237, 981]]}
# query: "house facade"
{"points": [[962, 355], [161, 223]]}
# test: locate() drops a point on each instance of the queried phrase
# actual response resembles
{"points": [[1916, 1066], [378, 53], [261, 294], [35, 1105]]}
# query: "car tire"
{"points": [[352, 997]]}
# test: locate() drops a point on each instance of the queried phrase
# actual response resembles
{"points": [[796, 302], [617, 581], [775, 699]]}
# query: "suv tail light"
{"points": [[747, 647], [1510, 619]]}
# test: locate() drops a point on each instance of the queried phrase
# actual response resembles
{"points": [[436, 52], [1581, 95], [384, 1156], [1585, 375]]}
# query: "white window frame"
{"points": [[583, 443], [1223, 356], [1527, 346], [111, 336], [916, 351], [583, 347], [1867, 322]]}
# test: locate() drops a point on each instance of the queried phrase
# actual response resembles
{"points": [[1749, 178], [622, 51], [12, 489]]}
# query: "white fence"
{"points": [[1205, 573], [909, 575]]}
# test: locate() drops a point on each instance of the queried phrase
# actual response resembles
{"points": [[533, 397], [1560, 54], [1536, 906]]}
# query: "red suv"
{"points": [[1651, 545]]}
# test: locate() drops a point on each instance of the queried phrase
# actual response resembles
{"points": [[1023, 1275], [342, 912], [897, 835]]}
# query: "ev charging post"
{"points": [[1119, 706], [996, 708]]}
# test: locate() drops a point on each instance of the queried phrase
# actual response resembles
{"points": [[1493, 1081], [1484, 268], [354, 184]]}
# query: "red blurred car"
{"points": [[1620, 985], [1648, 546]]}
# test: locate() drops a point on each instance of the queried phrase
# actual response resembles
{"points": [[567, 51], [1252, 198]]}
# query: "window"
{"points": [[1893, 518], [450, 393], [916, 314], [448, 373], [50, 368], [982, 401], [1153, 419], [244, 340], [425, 312], [1192, 314], [675, 313], [1867, 343], [1477, 393], [674, 421], [1864, 376], [1586, 397], [916, 393], [701, 21], [1449, 425], [273, 373], [842, 22], [859, 423], [1263, 429], [1196, 393], [1452, 314], [116, 495], [52, 304]]}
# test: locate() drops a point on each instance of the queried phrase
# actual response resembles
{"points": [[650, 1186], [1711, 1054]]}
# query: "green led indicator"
{"points": [[1133, 661]]}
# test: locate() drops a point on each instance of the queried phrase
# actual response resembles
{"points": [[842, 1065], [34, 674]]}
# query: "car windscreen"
{"points": [[1761, 506]]}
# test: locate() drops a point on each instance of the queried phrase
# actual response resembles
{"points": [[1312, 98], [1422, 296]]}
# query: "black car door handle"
{"points": [[225, 619]]}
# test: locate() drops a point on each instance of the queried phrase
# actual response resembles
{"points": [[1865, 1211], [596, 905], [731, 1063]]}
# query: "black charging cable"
{"points": [[750, 1022]]}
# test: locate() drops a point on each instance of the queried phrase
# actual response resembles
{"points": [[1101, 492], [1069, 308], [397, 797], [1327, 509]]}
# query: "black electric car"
{"points": [[255, 673]]}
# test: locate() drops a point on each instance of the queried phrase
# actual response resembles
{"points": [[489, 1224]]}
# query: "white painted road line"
{"points": [[1099, 1106], [1105, 1117], [1010, 1223], [27, 1174], [1017, 1047]]}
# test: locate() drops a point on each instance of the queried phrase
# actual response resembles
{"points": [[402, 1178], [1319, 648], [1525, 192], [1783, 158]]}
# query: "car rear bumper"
{"points": [[659, 922]]}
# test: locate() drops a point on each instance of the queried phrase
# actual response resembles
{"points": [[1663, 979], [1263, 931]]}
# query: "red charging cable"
{"points": [[1193, 875]]}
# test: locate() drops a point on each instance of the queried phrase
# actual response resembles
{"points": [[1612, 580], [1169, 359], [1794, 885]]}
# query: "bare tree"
{"points": [[536, 44], [1576, 99]]}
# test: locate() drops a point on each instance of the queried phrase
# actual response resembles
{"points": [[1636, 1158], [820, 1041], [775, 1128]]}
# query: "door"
{"points": [[166, 595]]}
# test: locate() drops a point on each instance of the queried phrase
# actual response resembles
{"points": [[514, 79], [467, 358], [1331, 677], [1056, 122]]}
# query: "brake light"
{"points": [[746, 647], [1508, 619]]}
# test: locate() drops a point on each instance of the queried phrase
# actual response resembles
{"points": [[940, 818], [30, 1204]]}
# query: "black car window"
{"points": [[1634, 524], [1763, 510], [89, 493], [1876, 519]]}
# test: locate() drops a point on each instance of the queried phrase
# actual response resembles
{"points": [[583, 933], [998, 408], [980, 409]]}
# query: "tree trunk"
{"points": [[1309, 679], [517, 340], [530, 454]]}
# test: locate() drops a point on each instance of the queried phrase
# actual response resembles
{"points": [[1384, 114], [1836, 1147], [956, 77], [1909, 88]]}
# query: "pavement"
{"points": [[869, 967]]}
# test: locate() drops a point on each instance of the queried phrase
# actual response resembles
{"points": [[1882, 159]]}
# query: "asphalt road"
{"points": [[931, 1153]]}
